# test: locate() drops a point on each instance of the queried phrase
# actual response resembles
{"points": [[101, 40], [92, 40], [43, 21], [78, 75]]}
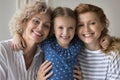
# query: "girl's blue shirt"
{"points": [[63, 59]]}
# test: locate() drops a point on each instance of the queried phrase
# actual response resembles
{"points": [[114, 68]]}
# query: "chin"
{"points": [[37, 40], [87, 41]]}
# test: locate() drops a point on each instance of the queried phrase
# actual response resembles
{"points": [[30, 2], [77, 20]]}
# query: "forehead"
{"points": [[64, 19], [87, 16], [45, 17]]}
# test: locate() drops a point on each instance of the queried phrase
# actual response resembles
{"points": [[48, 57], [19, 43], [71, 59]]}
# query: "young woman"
{"points": [[96, 64]]}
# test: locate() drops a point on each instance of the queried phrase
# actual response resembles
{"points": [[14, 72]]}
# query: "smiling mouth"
{"points": [[88, 35], [65, 37], [38, 34]]}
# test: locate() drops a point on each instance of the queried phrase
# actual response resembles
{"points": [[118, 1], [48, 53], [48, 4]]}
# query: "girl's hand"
{"points": [[43, 71], [77, 73], [18, 42]]}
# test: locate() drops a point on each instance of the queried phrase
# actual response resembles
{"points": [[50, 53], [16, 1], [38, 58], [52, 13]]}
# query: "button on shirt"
{"points": [[12, 64]]}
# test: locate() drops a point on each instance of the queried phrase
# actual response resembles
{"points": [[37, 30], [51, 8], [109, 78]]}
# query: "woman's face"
{"points": [[64, 29], [89, 27], [37, 28]]}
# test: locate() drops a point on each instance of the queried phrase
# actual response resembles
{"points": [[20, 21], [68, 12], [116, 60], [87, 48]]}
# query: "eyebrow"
{"points": [[37, 17], [41, 19]]}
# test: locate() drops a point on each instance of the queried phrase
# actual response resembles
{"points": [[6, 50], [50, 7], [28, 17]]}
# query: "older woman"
{"points": [[94, 63], [33, 23]]}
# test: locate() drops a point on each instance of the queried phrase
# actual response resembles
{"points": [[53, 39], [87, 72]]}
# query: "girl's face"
{"points": [[37, 28], [64, 29], [89, 28]]}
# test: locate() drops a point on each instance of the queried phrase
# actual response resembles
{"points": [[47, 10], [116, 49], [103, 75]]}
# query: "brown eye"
{"points": [[71, 28], [92, 23], [47, 25], [36, 22], [60, 27], [80, 25]]}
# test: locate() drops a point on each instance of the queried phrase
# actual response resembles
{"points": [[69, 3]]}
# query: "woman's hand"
{"points": [[18, 42], [77, 73], [105, 42], [43, 71]]}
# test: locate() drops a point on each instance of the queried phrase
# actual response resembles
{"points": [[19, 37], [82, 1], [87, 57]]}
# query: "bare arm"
{"points": [[18, 42]]}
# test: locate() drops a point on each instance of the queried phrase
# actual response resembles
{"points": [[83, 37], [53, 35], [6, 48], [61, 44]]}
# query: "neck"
{"points": [[29, 52], [92, 47], [31, 46]]}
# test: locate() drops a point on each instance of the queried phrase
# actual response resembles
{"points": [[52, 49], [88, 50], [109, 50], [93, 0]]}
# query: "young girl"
{"points": [[62, 48]]}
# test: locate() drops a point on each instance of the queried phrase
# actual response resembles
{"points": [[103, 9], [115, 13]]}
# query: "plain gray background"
{"points": [[110, 7]]}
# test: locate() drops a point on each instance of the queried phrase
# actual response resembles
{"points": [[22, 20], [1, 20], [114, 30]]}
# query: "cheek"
{"points": [[99, 30], [78, 31], [47, 32], [57, 31]]}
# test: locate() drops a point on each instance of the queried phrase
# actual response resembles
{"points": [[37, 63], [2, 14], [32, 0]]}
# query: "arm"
{"points": [[3, 64], [114, 68], [43, 71], [105, 42], [3, 72], [77, 73], [18, 42], [110, 43]]}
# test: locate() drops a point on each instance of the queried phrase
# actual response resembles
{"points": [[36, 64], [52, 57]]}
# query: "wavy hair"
{"points": [[26, 13], [83, 8]]}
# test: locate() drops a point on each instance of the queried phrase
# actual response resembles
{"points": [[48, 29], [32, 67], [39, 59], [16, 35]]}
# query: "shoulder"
{"points": [[114, 57], [6, 43], [114, 45], [5, 46], [47, 44], [5, 49], [77, 42], [48, 41]]}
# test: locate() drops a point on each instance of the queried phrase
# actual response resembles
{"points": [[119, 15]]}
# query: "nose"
{"points": [[40, 27], [65, 31], [86, 28]]}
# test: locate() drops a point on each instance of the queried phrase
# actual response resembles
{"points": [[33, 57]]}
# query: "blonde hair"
{"points": [[25, 14]]}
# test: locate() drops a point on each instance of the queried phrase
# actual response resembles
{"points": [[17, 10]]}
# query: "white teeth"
{"points": [[65, 37], [39, 34], [87, 35]]}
